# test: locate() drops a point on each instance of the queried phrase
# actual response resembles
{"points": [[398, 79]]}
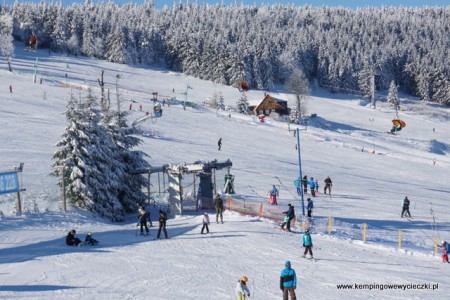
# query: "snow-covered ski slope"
{"points": [[367, 188]]}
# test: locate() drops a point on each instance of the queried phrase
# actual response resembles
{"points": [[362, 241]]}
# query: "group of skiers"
{"points": [[144, 218], [313, 185], [218, 206], [288, 284]]}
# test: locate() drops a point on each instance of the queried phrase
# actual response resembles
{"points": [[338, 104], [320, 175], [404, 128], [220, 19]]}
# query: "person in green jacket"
{"points": [[307, 243]]}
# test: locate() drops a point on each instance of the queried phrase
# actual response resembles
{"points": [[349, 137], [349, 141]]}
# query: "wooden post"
{"points": [[364, 232], [436, 245], [63, 190], [400, 239], [261, 210], [19, 204], [329, 225]]}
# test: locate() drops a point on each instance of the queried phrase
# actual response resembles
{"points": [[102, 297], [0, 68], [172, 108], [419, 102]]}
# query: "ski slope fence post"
{"points": [[229, 202], [261, 210], [364, 232], [400, 239], [329, 225], [436, 245]]}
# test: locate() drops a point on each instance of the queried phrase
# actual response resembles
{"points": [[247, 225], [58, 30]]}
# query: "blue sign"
{"points": [[9, 183]]}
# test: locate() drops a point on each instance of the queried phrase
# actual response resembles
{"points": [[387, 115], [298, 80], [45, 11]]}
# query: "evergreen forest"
{"points": [[343, 50]]}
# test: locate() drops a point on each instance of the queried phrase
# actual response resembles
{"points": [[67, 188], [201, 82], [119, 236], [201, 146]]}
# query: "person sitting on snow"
{"points": [[89, 240], [71, 240]]}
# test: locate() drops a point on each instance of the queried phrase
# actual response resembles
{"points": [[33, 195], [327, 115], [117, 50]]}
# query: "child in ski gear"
{"points": [[290, 213], [205, 223], [328, 185], [274, 194], [288, 281], [307, 243], [71, 240], [298, 185], [310, 207], [143, 220], [445, 251], [305, 184], [162, 224], [406, 207], [218, 205], [312, 186], [89, 240], [317, 185], [241, 288], [219, 143], [285, 220]]}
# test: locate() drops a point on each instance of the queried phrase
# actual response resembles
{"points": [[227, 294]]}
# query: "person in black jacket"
{"points": [[290, 213], [305, 184], [218, 205], [406, 207], [71, 240], [328, 185], [143, 220], [162, 224]]}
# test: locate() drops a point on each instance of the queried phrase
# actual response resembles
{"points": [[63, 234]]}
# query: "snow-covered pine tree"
{"points": [[125, 139], [441, 87], [392, 97], [103, 177], [88, 155], [72, 156], [221, 102], [242, 104], [6, 38]]}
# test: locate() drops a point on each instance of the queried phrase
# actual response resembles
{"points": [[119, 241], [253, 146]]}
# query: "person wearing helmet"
{"points": [[241, 288], [205, 222], [307, 243], [288, 281], [89, 240], [72, 240]]}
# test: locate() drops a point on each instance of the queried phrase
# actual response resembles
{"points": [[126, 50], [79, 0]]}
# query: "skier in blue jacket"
{"points": [[307, 243], [312, 186], [288, 281]]}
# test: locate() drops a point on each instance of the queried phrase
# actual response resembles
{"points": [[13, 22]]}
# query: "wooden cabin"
{"points": [[268, 105]]}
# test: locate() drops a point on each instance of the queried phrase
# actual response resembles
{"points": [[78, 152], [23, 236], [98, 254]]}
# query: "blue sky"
{"points": [[331, 3]]}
